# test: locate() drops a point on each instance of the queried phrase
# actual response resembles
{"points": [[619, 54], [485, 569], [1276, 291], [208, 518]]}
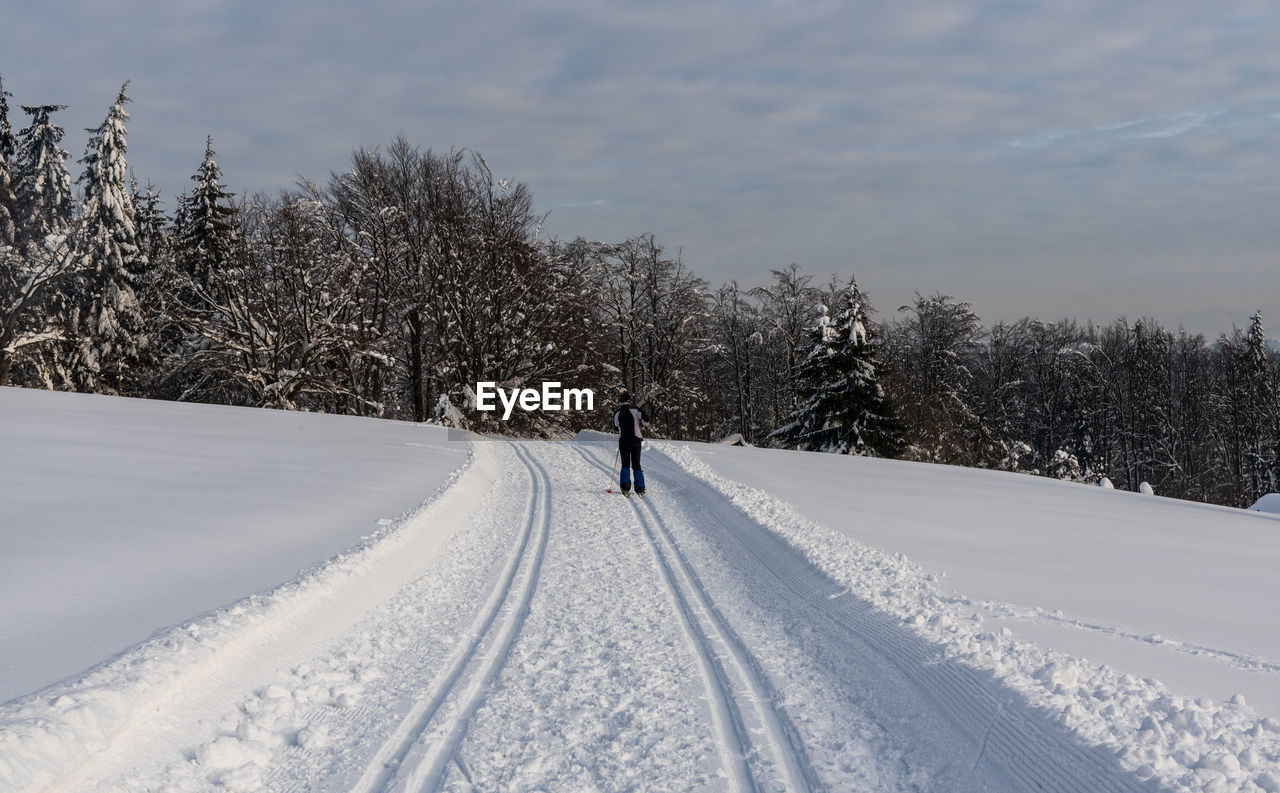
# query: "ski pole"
{"points": [[609, 489]]}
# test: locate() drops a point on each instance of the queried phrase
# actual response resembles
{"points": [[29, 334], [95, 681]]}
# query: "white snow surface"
{"points": [[123, 517], [1268, 503], [525, 631], [1157, 587]]}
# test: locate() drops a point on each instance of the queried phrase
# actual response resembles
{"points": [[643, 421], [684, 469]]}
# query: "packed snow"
{"points": [[483, 616]]}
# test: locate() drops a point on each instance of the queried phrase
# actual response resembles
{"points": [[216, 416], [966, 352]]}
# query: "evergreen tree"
{"points": [[843, 410], [8, 150], [178, 224], [8, 144], [204, 233], [198, 253], [154, 292], [1256, 339], [44, 201], [107, 322], [153, 241]]}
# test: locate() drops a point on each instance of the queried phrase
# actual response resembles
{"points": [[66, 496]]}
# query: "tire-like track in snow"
{"points": [[416, 756], [739, 692], [1008, 737]]}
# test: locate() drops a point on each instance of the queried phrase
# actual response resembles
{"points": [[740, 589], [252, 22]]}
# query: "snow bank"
{"points": [[1268, 503], [1183, 743]]}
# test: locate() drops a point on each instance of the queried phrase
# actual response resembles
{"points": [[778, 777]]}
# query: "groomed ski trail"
{"points": [[528, 632], [741, 696], [131, 710], [417, 754], [964, 732]]}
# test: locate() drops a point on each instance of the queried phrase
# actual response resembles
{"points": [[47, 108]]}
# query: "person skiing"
{"points": [[630, 421]]}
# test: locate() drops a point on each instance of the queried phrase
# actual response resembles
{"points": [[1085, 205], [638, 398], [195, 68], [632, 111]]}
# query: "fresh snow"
{"points": [[1268, 503], [1157, 587], [120, 517], [762, 621]]}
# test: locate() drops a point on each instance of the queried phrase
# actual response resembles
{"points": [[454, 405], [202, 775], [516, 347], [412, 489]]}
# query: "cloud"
{"points": [[926, 145]]}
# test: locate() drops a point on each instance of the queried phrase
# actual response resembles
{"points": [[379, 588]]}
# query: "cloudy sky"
{"points": [[1085, 158]]}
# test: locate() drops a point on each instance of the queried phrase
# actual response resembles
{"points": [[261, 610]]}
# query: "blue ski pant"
{"points": [[629, 450]]}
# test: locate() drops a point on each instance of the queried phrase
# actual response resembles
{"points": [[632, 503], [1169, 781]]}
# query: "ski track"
{"points": [[553, 642], [1003, 733], [602, 691], [732, 743], [416, 757], [1033, 753], [1244, 661], [393, 705], [81, 734], [732, 676]]}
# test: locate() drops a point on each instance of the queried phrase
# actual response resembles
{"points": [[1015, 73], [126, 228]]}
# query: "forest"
{"points": [[394, 285]]}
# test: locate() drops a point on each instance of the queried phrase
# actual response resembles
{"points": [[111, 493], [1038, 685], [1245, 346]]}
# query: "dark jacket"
{"points": [[629, 421]]}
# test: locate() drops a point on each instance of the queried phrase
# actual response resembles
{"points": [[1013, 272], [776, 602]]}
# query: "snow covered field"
{"points": [[1187, 593], [121, 517], [763, 621]]}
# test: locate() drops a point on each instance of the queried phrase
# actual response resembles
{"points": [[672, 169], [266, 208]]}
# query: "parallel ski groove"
{"points": [[200, 687], [415, 757], [719, 641], [726, 716], [1022, 744], [791, 763]]}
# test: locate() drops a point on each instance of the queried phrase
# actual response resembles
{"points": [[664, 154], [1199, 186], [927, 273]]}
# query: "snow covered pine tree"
{"points": [[206, 232], [40, 208], [45, 204], [843, 408], [8, 152], [107, 325]]}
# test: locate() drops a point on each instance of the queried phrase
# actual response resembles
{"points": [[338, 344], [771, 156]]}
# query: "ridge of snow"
{"points": [[1182, 743], [1268, 503]]}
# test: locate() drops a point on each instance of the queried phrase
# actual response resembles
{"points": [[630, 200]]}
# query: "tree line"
{"points": [[393, 286]]}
